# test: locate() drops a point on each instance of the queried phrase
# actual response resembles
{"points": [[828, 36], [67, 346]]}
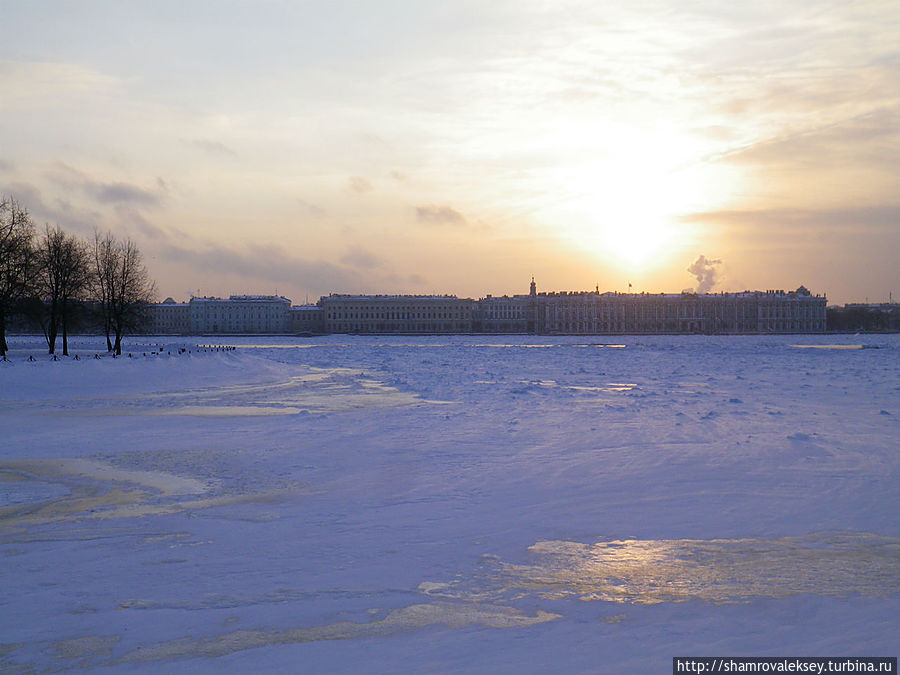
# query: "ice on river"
{"points": [[448, 504]]}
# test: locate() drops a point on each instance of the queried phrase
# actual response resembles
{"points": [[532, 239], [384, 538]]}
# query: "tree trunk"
{"points": [[65, 332], [3, 346], [51, 337], [107, 328], [52, 327], [118, 345]]}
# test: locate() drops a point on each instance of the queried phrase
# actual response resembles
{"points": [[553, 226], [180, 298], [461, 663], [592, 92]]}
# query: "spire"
{"points": [[533, 289]]}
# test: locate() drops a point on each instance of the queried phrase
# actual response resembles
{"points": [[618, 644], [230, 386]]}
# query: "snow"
{"points": [[448, 504]]}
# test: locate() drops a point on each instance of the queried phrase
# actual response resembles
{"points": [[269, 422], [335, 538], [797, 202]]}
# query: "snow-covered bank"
{"points": [[450, 503]]}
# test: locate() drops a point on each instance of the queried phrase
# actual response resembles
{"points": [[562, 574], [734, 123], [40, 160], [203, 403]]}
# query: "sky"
{"points": [[462, 147]]}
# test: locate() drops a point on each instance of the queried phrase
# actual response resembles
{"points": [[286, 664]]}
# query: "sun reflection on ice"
{"points": [[717, 571]]}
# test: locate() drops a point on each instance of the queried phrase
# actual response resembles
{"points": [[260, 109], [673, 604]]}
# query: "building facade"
{"points": [[397, 313], [563, 313], [237, 314], [504, 314], [170, 318], [307, 319], [677, 313], [240, 314]]}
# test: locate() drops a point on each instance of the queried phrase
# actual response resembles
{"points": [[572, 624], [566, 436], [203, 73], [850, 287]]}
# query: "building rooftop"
{"points": [[244, 298], [369, 298]]}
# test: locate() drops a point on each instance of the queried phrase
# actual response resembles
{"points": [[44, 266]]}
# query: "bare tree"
{"points": [[16, 261], [62, 277], [122, 285], [105, 255]]}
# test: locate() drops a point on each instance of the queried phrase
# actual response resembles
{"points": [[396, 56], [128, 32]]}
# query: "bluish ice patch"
{"points": [[17, 488]]}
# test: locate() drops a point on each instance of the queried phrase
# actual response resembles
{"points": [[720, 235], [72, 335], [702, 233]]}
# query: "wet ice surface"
{"points": [[316, 390], [450, 504], [716, 571]]}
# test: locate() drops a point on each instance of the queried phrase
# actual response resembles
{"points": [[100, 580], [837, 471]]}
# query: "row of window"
{"points": [[395, 316]]}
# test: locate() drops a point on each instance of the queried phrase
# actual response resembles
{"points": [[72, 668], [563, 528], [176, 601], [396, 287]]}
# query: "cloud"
{"points": [[35, 84], [214, 148], [118, 193], [313, 209], [59, 211], [881, 217], [28, 197], [359, 258], [360, 185], [859, 140], [439, 215], [706, 273], [110, 205], [395, 279], [111, 193], [66, 176], [130, 216], [262, 263]]}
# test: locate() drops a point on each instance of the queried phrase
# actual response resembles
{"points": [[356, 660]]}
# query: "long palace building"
{"points": [[562, 313]]}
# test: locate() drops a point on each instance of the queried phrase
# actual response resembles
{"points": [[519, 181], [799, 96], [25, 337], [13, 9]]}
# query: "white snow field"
{"points": [[448, 504]]}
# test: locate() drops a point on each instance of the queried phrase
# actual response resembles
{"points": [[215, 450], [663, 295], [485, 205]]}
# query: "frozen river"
{"points": [[448, 504]]}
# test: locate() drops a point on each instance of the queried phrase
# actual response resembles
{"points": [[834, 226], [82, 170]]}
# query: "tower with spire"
{"points": [[531, 318]]}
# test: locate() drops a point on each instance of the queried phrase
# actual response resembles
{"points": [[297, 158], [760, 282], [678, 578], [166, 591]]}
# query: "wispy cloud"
{"points": [[260, 263], [28, 196], [312, 209], [40, 84], [56, 210], [119, 193], [126, 215], [115, 192], [359, 185], [213, 148], [861, 139], [439, 215], [852, 218], [360, 258]]}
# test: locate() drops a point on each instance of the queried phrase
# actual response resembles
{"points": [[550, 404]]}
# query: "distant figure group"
{"points": [[155, 351]]}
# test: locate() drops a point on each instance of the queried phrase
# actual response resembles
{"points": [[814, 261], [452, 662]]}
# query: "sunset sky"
{"points": [[460, 147]]}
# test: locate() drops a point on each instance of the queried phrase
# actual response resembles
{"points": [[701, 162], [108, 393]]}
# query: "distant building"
{"points": [[237, 314], [240, 314], [307, 319], [563, 313], [397, 313], [504, 314], [709, 313], [170, 318]]}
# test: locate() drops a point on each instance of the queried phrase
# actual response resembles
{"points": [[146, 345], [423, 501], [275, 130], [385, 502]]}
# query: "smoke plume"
{"points": [[706, 273]]}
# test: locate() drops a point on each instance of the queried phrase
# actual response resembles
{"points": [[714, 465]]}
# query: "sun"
{"points": [[632, 222], [627, 205], [635, 236]]}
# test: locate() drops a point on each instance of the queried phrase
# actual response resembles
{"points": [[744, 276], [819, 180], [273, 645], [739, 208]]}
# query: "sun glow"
{"points": [[633, 234], [627, 206]]}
